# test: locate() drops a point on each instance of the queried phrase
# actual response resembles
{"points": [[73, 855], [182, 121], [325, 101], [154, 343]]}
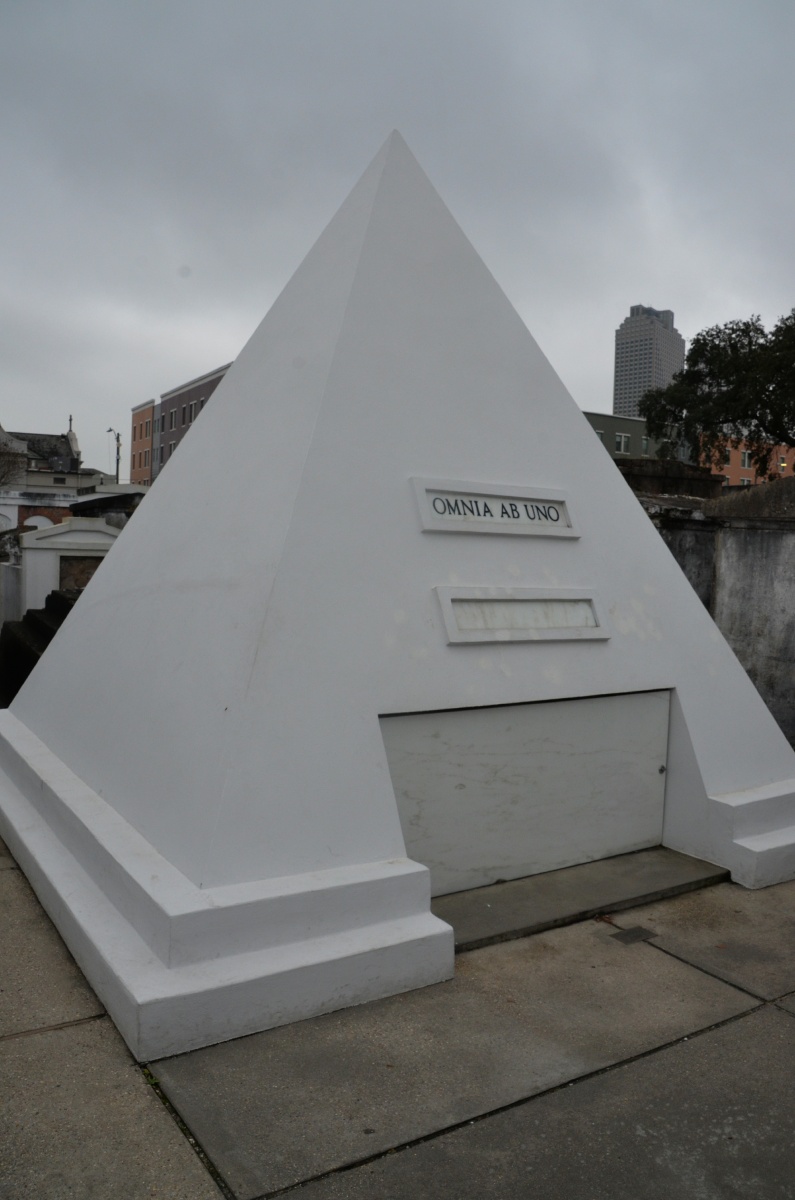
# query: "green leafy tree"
{"points": [[737, 386]]}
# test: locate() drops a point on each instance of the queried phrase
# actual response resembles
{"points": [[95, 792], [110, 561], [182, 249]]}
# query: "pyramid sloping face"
{"points": [[275, 592], [170, 630]]}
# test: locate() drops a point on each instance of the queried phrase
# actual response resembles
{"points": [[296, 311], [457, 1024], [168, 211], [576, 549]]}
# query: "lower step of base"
{"points": [[523, 906]]}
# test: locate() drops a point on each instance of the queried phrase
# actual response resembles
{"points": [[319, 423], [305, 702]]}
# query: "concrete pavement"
{"points": [[647, 1052]]}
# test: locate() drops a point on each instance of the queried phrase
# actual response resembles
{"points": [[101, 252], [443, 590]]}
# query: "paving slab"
{"points": [[745, 937], [279, 1107], [6, 861], [707, 1119], [523, 906], [77, 1119], [40, 984]]}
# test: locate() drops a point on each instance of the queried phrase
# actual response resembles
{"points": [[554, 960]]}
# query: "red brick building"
{"points": [[738, 471], [159, 426], [143, 417]]}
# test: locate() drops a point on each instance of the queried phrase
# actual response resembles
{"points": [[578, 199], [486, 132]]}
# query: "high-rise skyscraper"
{"points": [[649, 352]]}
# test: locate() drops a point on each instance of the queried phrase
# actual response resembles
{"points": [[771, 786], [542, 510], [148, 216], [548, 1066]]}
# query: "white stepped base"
{"points": [[765, 858], [760, 809], [756, 825], [179, 967]]}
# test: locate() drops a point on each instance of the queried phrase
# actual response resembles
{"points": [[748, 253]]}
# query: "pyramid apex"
{"points": [[395, 143]]}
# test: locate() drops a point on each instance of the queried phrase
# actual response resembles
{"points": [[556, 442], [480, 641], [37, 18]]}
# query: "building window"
{"points": [[135, 430], [745, 481], [782, 464], [162, 448], [600, 433], [192, 412], [644, 447], [184, 414], [146, 458], [171, 446], [622, 443], [59, 479], [172, 419], [745, 459]]}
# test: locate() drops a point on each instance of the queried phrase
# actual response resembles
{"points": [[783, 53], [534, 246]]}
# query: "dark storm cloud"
{"points": [[169, 164]]}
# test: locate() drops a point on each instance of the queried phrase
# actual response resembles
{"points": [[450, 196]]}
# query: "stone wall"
{"points": [[753, 607], [693, 545], [10, 592], [744, 573], [669, 477]]}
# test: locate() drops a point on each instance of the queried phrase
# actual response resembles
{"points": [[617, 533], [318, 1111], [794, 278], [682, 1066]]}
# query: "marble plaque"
{"points": [[456, 506]]}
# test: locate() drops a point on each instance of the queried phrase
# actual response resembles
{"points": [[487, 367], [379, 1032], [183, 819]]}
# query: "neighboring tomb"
{"points": [[445, 590], [63, 556]]}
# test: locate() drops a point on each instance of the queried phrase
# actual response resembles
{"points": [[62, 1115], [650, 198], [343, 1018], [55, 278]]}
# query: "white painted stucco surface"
{"points": [[391, 355]]}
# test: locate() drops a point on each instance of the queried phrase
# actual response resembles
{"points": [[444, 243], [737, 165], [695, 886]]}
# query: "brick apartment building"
{"points": [[141, 441], [737, 470], [158, 426]]}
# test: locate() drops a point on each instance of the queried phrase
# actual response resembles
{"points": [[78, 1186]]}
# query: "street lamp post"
{"points": [[118, 450]]}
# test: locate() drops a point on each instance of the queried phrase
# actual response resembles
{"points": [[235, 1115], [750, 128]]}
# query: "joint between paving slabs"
{"points": [[22, 1033], [516, 935], [648, 935], [209, 1166], [712, 974], [601, 912], [559, 1087]]}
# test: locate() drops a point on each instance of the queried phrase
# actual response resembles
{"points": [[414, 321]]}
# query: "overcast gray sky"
{"points": [[168, 163]]}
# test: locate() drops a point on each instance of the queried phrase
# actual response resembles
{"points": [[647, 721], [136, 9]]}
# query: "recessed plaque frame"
{"points": [[493, 614]]}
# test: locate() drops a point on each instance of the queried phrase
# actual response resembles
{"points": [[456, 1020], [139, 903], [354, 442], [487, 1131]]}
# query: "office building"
{"points": [[649, 352]]}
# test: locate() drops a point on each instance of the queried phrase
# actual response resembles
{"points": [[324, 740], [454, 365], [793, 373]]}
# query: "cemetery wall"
{"points": [[10, 592], [744, 573]]}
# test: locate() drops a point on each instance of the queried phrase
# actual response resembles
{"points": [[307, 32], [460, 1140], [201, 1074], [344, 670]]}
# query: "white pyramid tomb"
{"points": [[389, 619]]}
